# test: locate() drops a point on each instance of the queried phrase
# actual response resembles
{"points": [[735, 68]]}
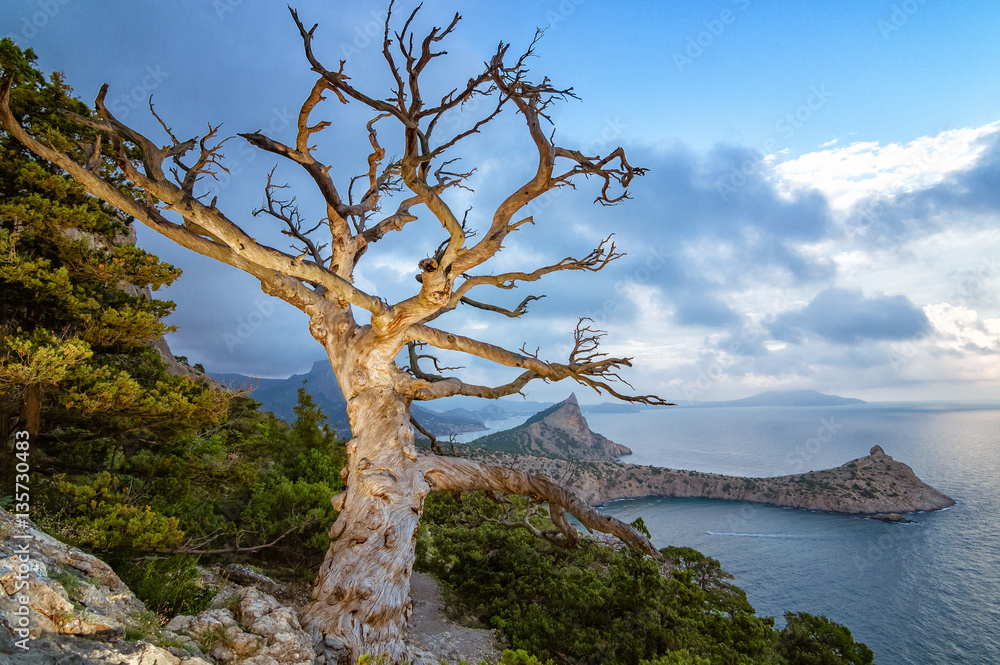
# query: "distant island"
{"points": [[785, 398], [558, 442]]}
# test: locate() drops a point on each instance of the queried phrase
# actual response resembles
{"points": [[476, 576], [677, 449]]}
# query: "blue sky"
{"points": [[821, 209]]}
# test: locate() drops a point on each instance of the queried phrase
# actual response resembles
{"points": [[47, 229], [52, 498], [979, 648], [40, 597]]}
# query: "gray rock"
{"points": [[248, 577], [180, 623]]}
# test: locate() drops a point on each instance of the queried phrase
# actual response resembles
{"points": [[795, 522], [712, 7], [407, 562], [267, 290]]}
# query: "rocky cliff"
{"points": [[560, 431], [875, 484]]}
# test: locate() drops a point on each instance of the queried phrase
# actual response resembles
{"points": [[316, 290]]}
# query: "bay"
{"points": [[917, 594]]}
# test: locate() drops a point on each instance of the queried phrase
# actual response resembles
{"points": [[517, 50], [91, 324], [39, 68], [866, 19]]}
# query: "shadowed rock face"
{"points": [[560, 431], [875, 484]]}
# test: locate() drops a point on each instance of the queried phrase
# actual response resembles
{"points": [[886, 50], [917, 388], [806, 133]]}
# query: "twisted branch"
{"points": [[464, 475]]}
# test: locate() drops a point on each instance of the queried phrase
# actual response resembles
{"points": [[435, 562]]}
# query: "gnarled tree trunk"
{"points": [[361, 595]]}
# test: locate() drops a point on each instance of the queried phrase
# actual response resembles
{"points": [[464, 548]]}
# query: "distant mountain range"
{"points": [[279, 396], [462, 414]]}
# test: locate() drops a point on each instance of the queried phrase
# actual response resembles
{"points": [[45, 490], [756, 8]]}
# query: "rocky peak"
{"points": [[558, 431]]}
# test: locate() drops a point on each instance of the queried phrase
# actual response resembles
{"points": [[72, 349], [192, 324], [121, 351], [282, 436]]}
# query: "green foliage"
{"points": [[812, 640], [168, 585], [70, 583], [593, 604], [131, 461], [142, 626], [521, 657], [75, 315], [708, 575], [640, 525]]}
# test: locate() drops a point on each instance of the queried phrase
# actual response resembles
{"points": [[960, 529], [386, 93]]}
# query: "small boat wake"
{"points": [[782, 536]]}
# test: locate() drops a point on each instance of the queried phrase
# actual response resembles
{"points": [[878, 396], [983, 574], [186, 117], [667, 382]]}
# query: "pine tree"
{"points": [[76, 315]]}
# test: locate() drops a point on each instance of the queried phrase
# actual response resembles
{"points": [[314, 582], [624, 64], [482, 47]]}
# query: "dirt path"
{"points": [[431, 632]]}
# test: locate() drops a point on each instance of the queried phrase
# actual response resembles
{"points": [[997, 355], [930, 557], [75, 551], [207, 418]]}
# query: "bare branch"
{"points": [[288, 213], [520, 310], [586, 366], [463, 475], [281, 274], [596, 260], [187, 549], [435, 446]]}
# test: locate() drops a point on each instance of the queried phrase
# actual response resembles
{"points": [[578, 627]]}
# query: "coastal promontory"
{"points": [[558, 442]]}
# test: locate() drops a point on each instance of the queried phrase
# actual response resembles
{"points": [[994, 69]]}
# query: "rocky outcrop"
{"points": [[870, 485], [560, 431], [245, 626], [61, 606]]}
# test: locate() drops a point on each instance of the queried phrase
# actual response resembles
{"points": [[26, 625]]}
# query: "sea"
{"points": [[923, 593]]}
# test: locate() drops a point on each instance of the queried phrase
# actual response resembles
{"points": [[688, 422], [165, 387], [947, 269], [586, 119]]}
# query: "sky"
{"points": [[821, 208]]}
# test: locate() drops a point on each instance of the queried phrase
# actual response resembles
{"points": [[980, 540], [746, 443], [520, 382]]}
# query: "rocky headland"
{"points": [[558, 443]]}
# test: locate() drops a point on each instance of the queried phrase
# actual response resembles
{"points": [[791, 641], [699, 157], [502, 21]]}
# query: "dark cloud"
{"points": [[846, 316], [702, 310]]}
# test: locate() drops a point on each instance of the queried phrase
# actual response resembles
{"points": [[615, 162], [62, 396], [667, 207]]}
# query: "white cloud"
{"points": [[859, 170], [961, 328]]}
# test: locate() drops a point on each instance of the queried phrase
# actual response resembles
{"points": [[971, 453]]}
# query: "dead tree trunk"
{"points": [[362, 593]]}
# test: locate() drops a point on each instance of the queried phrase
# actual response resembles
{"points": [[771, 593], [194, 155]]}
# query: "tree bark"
{"points": [[30, 417], [361, 595]]}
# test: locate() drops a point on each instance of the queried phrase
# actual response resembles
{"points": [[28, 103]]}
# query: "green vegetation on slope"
{"points": [[593, 604], [128, 460]]}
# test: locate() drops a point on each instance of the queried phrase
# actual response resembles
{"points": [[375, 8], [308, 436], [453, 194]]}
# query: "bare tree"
{"points": [[361, 594]]}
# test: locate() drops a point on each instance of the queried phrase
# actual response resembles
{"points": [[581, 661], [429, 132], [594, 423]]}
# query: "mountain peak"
{"points": [[558, 431]]}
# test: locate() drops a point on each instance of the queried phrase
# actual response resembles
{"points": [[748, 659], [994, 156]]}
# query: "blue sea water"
{"points": [[917, 594]]}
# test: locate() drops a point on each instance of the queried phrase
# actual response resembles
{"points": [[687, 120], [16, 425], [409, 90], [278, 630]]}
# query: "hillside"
{"points": [[279, 396], [559, 431]]}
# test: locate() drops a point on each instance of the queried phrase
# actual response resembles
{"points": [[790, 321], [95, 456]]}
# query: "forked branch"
{"points": [[586, 365]]}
